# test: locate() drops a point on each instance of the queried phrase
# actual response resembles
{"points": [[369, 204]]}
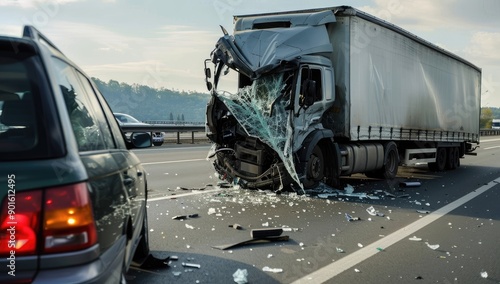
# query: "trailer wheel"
{"points": [[440, 164], [315, 168], [453, 158], [391, 161], [450, 159]]}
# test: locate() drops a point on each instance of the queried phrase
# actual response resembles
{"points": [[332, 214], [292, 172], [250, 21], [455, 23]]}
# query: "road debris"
{"points": [[240, 276], [192, 265], [372, 211], [415, 239], [360, 245], [423, 211], [254, 241], [265, 232], [273, 270], [350, 218], [484, 274], [432, 247], [339, 250], [179, 217], [410, 184], [236, 226], [357, 270], [189, 227]]}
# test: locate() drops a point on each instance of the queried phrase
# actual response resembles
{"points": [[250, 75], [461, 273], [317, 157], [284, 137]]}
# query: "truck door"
{"points": [[315, 92]]}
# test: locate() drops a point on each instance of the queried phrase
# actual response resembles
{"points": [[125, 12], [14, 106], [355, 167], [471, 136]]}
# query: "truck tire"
{"points": [[450, 159], [457, 157], [441, 161], [315, 168], [453, 160], [391, 161]]}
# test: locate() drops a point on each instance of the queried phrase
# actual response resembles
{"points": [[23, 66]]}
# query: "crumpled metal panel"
{"points": [[254, 52]]}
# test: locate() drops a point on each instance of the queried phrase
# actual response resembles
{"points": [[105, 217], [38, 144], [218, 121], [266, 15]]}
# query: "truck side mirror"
{"points": [[208, 75]]}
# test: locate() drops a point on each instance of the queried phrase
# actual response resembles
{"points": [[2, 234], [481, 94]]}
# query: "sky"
{"points": [[163, 43]]}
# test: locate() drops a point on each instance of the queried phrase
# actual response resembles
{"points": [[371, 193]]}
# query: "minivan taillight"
{"points": [[20, 221], [68, 222]]}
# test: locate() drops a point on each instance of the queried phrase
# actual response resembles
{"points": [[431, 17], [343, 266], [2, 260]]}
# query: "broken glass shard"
{"points": [[261, 110], [432, 247], [273, 270], [240, 276]]}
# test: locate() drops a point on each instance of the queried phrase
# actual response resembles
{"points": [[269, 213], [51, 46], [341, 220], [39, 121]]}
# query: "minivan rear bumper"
{"points": [[105, 269]]}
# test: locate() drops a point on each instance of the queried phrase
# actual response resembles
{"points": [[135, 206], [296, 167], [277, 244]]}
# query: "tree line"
{"points": [[487, 116], [146, 103]]}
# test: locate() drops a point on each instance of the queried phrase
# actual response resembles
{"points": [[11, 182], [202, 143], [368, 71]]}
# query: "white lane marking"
{"points": [[491, 147], [173, 162], [328, 272], [489, 140], [184, 194]]}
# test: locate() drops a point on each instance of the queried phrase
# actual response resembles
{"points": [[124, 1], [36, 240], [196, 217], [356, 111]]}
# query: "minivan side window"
{"points": [[88, 134], [99, 114]]}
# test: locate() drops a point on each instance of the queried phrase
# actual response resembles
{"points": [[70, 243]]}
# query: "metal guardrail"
{"points": [[166, 128], [180, 128], [173, 122], [489, 132]]}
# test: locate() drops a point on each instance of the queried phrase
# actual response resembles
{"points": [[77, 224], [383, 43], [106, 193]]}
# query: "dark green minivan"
{"points": [[72, 194]]}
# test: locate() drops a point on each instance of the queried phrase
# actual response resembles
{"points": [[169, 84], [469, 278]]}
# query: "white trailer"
{"points": [[329, 92]]}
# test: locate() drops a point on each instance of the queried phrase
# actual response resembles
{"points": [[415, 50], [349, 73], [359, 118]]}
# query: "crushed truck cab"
{"points": [[331, 92]]}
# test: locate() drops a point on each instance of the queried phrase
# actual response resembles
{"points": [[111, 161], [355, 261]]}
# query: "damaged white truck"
{"points": [[324, 93]]}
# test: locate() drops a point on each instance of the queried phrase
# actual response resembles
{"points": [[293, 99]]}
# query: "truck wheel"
{"points": [[391, 161], [315, 170], [451, 159], [440, 164], [457, 157]]}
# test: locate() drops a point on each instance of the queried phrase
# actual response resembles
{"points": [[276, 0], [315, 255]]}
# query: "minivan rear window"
{"points": [[20, 133]]}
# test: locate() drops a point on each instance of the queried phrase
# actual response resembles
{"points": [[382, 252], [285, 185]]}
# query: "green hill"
{"points": [[146, 103]]}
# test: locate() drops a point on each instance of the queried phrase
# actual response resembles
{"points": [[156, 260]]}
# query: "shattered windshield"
{"points": [[261, 109]]}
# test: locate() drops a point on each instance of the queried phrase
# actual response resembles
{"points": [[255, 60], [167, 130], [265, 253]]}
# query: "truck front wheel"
{"points": [[315, 170]]}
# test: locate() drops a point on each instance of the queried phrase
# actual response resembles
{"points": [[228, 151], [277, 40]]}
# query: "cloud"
{"points": [[28, 4], [484, 46], [164, 57], [429, 15]]}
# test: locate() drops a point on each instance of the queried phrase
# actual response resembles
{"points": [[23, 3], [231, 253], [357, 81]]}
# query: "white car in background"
{"points": [[126, 119]]}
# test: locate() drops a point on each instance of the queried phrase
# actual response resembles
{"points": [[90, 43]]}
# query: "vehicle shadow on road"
{"points": [[184, 270]]}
